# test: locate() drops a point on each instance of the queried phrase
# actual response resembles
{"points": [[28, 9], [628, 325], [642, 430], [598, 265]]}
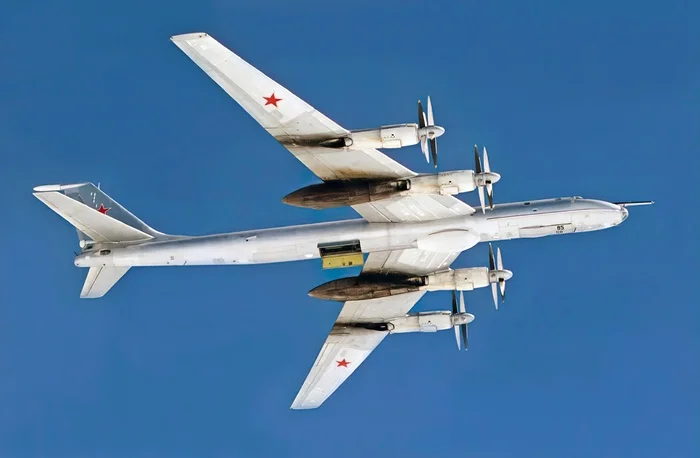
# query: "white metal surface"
{"points": [[293, 122], [409, 235], [100, 280]]}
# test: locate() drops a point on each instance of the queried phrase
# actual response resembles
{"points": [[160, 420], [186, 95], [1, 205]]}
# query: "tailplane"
{"points": [[100, 280], [99, 220]]}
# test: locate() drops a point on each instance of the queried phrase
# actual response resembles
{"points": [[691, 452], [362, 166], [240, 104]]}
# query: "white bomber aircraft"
{"points": [[412, 226]]}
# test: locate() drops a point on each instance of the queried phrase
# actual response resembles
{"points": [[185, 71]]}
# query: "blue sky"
{"points": [[594, 354]]}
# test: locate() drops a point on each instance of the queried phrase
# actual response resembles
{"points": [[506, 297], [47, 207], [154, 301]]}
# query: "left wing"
{"points": [[300, 128], [348, 344]]}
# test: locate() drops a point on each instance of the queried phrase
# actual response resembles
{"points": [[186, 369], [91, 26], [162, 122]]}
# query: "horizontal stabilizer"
{"points": [[100, 227], [100, 280]]}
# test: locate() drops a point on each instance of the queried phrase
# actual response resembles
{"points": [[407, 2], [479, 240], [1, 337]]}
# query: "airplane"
{"points": [[412, 226]]}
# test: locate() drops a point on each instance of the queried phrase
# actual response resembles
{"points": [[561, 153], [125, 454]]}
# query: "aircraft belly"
{"points": [[279, 244], [280, 253]]}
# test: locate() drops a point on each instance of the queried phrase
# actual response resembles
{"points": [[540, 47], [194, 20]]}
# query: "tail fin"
{"points": [[97, 217]]}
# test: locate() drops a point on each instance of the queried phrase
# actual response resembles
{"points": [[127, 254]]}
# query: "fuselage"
{"points": [[294, 243]]}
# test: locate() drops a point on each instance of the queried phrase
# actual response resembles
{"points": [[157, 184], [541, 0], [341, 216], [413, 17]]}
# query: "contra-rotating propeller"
{"points": [[484, 178], [460, 319], [428, 132], [498, 276]]}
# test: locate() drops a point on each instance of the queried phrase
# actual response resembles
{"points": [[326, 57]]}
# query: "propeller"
{"points": [[484, 178], [498, 276], [428, 132], [460, 319]]}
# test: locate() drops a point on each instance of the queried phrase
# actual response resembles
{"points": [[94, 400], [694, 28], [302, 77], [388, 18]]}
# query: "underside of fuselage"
{"points": [[506, 221]]}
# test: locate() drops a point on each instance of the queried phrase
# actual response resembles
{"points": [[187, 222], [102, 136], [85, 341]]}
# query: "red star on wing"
{"points": [[272, 100], [103, 209], [343, 363]]}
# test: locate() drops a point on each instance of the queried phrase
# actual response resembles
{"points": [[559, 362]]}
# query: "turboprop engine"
{"points": [[424, 132], [366, 287], [332, 194], [343, 193], [428, 321], [458, 319]]}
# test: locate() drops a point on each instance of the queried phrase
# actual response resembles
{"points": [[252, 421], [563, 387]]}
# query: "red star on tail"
{"points": [[272, 100], [103, 209], [343, 363]]}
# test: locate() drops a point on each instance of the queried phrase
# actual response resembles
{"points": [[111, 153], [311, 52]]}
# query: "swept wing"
{"points": [[301, 129], [349, 344]]}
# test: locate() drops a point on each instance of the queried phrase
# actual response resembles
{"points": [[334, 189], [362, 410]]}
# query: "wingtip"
{"points": [[189, 36]]}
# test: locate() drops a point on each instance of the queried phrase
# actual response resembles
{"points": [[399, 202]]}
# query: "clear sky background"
{"points": [[595, 353]]}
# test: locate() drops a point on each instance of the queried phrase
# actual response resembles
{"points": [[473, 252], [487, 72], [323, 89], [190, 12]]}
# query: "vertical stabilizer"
{"points": [[95, 215]]}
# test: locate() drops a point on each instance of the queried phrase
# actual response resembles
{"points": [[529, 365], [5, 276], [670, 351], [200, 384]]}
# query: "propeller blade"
{"points": [[489, 185], [499, 259], [433, 150], [481, 199], [457, 336], [421, 115], [487, 167], [502, 285], [454, 302], [465, 335], [424, 148], [431, 120], [492, 263], [494, 292], [462, 308], [477, 160]]}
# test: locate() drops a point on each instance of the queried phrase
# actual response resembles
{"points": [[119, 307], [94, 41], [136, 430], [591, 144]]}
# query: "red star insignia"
{"points": [[272, 100], [343, 363], [104, 209]]}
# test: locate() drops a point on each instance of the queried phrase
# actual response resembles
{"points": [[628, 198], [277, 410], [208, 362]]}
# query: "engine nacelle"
{"points": [[332, 194], [421, 322], [394, 136], [454, 182], [367, 287], [458, 279]]}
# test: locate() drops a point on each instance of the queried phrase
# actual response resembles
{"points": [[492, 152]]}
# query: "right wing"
{"points": [[298, 126], [348, 345]]}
